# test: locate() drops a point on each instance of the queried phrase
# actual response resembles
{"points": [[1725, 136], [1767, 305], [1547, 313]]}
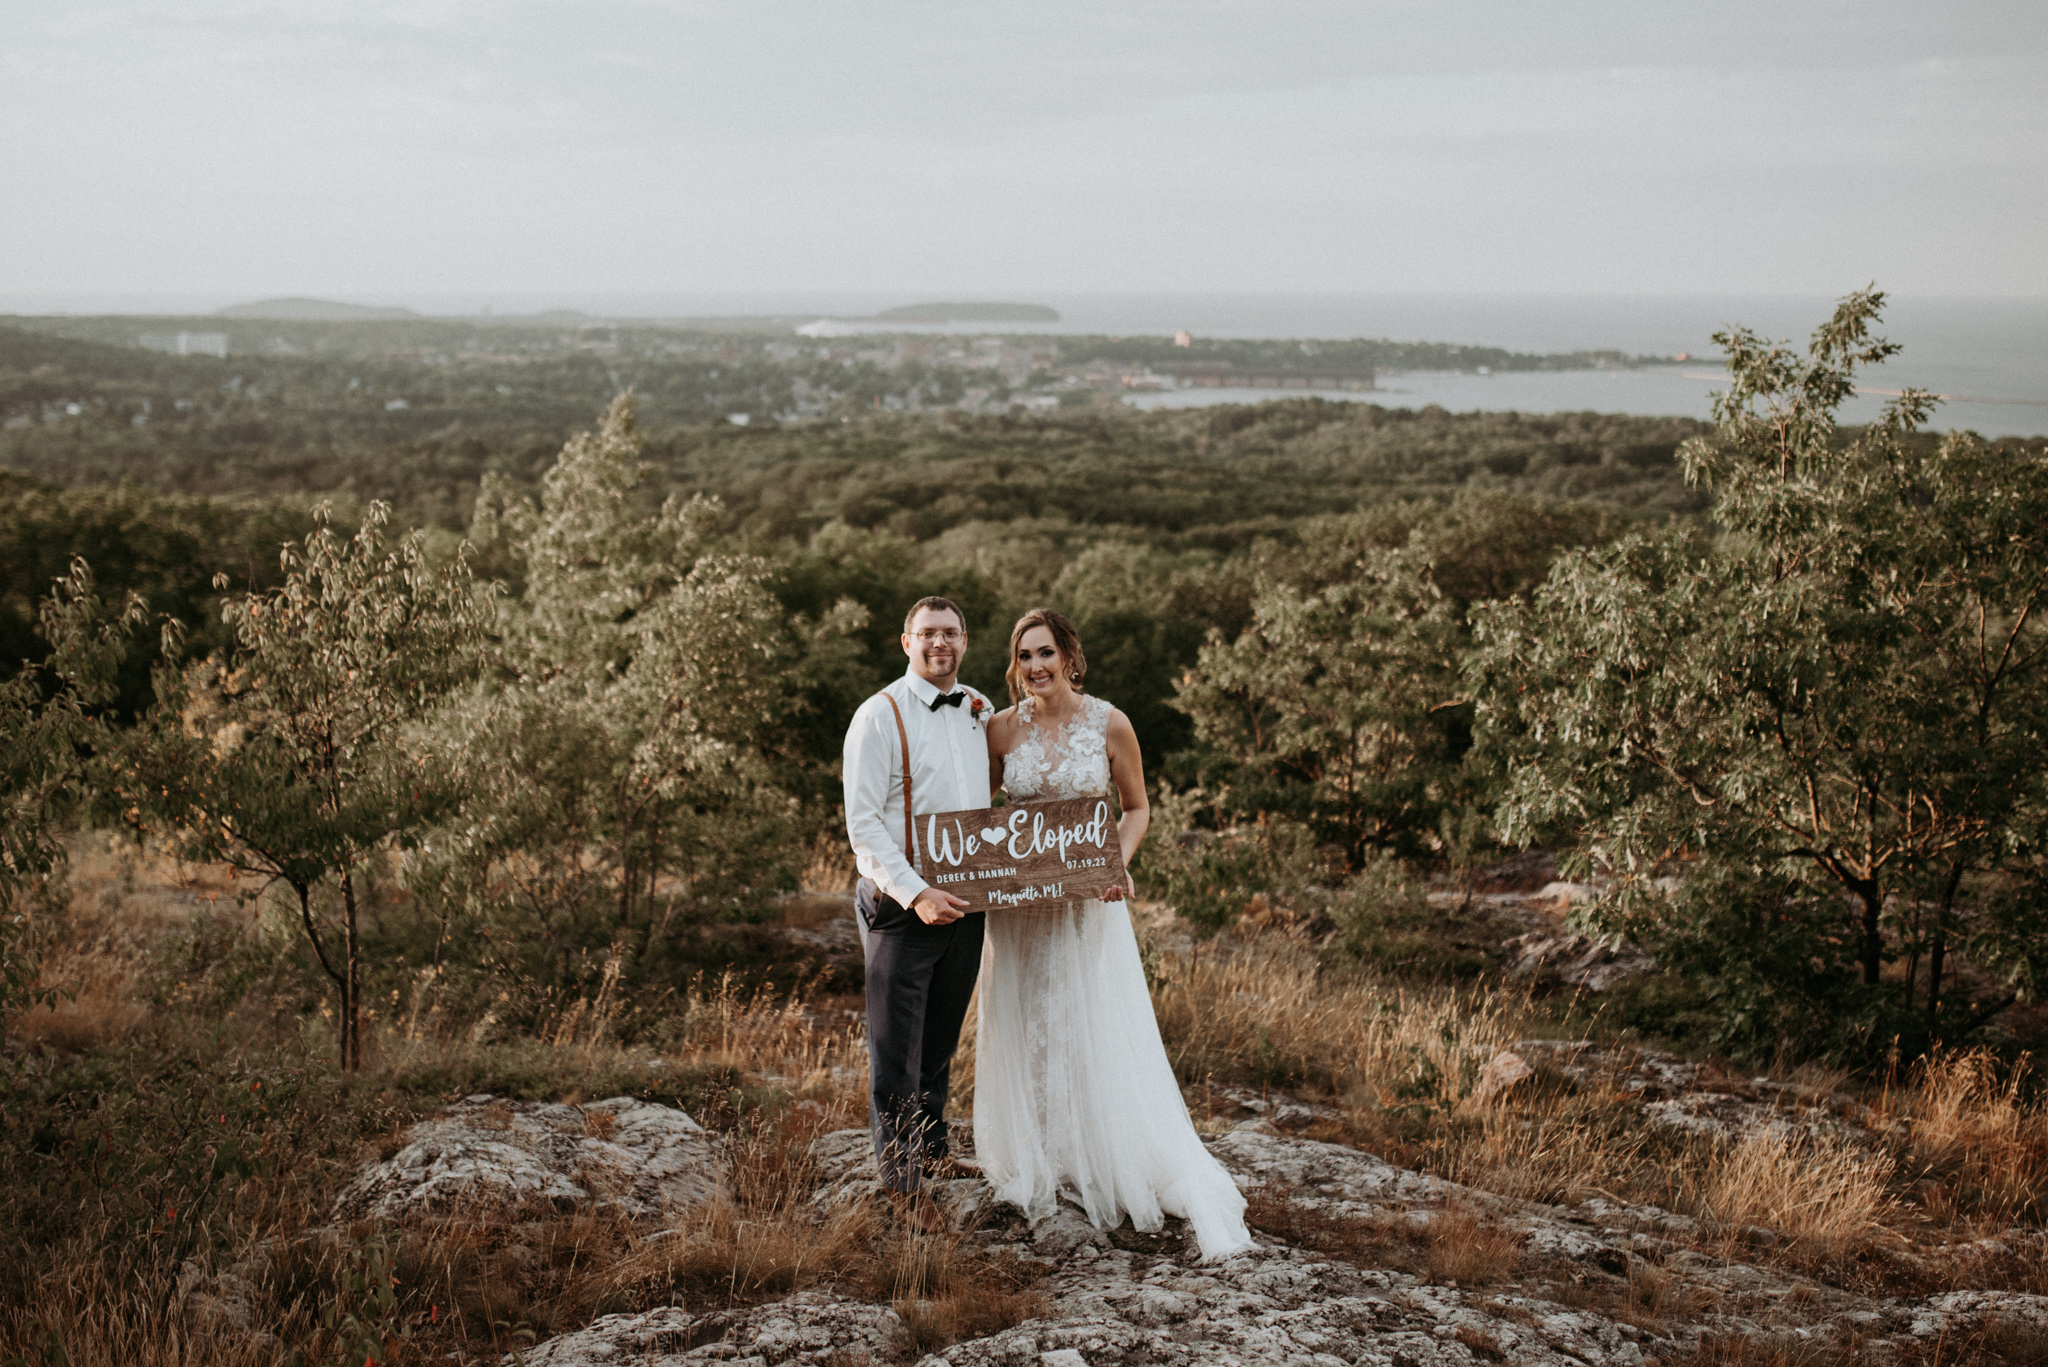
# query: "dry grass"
{"points": [[785, 1038], [806, 910], [1654, 1296], [1968, 1124], [474, 1285], [769, 1240], [99, 1009], [1482, 1345], [125, 904], [1743, 1350], [1383, 1243], [1555, 1146], [1398, 1064], [764, 1240], [1999, 1345], [828, 865], [1454, 1244], [1265, 1011], [1467, 1248], [1827, 1197], [945, 1291]]}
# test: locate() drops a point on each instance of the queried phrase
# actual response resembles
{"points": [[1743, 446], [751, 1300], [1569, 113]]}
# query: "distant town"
{"points": [[770, 369]]}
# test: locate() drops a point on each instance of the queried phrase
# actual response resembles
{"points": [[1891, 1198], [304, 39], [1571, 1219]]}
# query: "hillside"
{"points": [[313, 311]]}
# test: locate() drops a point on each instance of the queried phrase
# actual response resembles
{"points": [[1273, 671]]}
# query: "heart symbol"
{"points": [[992, 836]]}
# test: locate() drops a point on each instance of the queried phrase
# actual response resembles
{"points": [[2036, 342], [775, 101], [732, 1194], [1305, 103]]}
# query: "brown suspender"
{"points": [[909, 830]]}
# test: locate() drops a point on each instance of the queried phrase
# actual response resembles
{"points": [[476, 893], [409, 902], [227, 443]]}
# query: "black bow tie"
{"points": [[947, 700]]}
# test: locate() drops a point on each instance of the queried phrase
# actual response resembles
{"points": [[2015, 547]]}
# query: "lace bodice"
{"points": [[1051, 763]]}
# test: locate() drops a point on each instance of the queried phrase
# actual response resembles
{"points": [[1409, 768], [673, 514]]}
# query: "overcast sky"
{"points": [[370, 149]]}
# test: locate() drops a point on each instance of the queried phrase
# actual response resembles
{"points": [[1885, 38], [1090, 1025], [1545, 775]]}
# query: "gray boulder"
{"points": [[484, 1154], [809, 1327]]}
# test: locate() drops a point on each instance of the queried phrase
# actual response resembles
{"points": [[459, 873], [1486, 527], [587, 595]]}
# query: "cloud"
{"points": [[614, 143]]}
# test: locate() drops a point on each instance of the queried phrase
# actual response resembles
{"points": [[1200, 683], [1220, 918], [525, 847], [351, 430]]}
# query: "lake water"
{"points": [[1995, 351], [1657, 391]]}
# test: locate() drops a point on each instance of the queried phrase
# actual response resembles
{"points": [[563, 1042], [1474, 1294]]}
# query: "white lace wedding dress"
{"points": [[1072, 1089]]}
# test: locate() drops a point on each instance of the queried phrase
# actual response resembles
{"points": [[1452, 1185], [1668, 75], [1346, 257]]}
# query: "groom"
{"points": [[923, 946]]}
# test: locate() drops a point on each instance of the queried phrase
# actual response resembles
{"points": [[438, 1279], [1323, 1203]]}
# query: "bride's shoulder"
{"points": [[1110, 720]]}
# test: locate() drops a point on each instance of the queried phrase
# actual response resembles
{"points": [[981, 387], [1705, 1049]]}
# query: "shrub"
{"points": [[1830, 715]]}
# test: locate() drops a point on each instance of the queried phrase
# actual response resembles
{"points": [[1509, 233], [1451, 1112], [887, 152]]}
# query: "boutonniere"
{"points": [[976, 706]]}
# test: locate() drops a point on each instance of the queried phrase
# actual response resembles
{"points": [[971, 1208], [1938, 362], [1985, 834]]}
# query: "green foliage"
{"points": [[620, 766], [419, 414], [1188, 478], [1145, 613], [1382, 919], [297, 756], [163, 549], [861, 582], [364, 1319], [1342, 704], [1270, 355], [1210, 872], [1333, 705], [1832, 715], [48, 737], [1282, 596]]}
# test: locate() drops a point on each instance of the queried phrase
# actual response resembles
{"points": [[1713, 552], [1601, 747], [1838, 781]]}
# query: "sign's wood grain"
{"points": [[1031, 855]]}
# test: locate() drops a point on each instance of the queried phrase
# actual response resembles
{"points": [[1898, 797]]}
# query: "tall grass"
{"points": [[1267, 1011], [1970, 1124], [1826, 1196]]}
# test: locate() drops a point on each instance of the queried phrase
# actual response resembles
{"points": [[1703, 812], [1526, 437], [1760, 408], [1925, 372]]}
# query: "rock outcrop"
{"points": [[1585, 961], [1119, 1298], [485, 1153], [809, 1327], [1599, 1282]]}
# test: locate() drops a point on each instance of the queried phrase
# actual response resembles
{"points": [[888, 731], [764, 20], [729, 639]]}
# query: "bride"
{"points": [[1071, 1083]]}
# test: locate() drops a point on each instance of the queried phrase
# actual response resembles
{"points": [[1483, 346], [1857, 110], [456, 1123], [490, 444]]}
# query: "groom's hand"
{"points": [[936, 908]]}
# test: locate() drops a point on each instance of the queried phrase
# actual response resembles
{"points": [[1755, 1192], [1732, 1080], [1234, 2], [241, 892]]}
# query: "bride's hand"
{"points": [[1116, 892]]}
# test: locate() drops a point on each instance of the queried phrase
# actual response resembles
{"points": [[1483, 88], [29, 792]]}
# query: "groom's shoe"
{"points": [[918, 1211]]}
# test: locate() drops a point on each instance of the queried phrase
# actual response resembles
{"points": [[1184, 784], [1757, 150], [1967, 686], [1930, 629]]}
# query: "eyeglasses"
{"points": [[949, 635]]}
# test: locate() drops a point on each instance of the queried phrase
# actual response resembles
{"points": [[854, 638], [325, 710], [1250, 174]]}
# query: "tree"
{"points": [[47, 745], [297, 756], [1832, 714], [1333, 706], [1342, 703], [619, 760]]}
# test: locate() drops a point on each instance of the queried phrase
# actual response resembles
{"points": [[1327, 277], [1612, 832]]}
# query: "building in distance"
{"points": [[187, 343]]}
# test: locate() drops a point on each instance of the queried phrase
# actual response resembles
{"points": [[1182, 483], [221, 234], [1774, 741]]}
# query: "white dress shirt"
{"points": [[948, 773]]}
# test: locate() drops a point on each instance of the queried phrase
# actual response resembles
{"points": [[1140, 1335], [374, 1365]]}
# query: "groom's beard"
{"points": [[926, 667]]}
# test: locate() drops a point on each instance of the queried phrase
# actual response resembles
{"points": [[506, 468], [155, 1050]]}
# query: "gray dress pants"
{"points": [[919, 980]]}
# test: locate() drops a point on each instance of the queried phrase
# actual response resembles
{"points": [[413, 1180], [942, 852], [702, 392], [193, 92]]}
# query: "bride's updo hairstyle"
{"points": [[1065, 640]]}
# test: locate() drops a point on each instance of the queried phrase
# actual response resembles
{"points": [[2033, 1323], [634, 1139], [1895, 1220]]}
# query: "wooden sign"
{"points": [[1030, 855]]}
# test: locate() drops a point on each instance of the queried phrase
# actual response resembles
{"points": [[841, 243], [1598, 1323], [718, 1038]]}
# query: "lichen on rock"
{"points": [[483, 1153]]}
